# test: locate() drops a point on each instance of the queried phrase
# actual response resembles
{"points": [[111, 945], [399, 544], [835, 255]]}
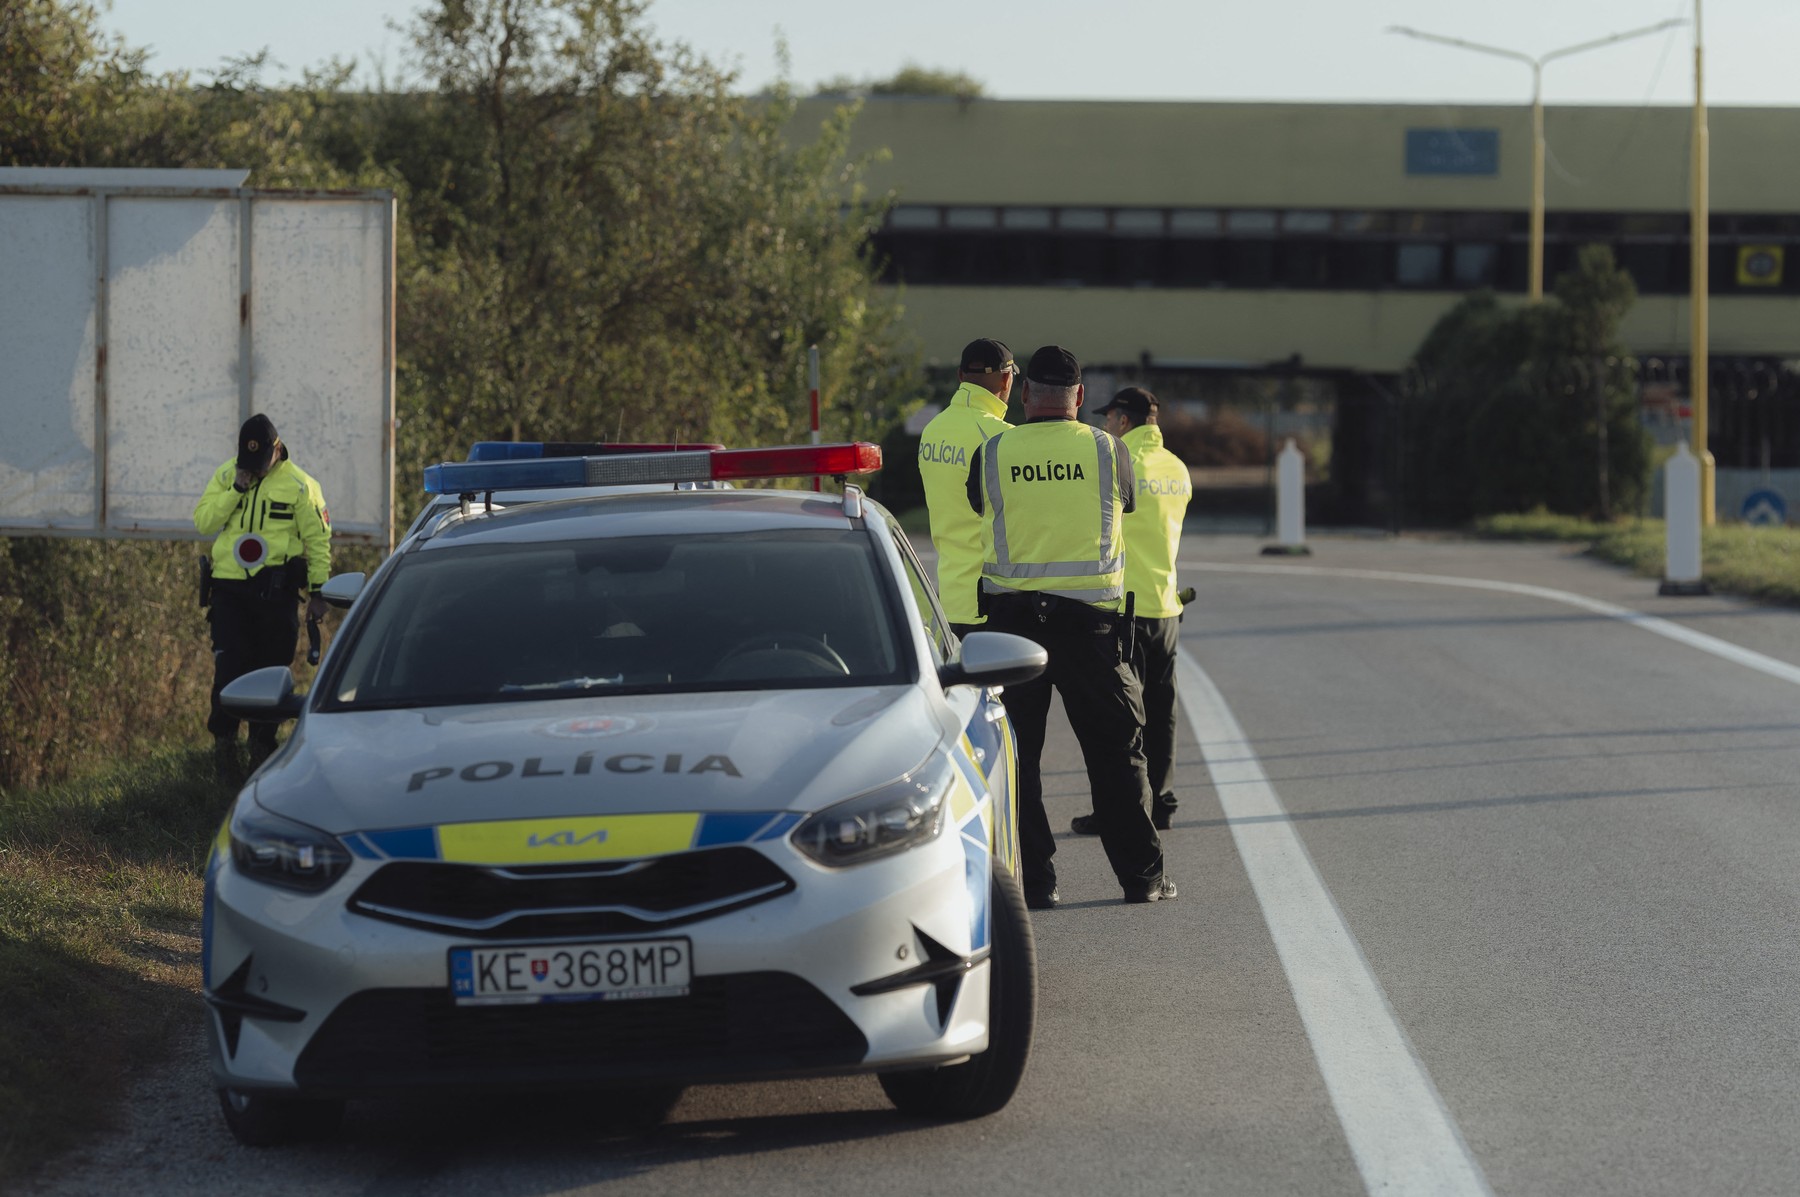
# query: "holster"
{"points": [[1128, 632], [205, 580], [296, 576]]}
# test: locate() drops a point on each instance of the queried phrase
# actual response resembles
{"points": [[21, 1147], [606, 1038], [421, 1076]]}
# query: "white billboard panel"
{"points": [[217, 303], [319, 269], [48, 280], [172, 289]]}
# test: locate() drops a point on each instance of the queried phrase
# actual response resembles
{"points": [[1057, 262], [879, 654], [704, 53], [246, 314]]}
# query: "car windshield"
{"points": [[489, 623]]}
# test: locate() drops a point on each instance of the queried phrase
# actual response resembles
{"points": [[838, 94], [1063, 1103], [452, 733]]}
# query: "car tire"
{"points": [[983, 1084], [265, 1120]]}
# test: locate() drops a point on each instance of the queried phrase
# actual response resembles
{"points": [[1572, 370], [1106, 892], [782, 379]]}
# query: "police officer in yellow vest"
{"points": [[272, 543], [976, 413], [1054, 493], [1152, 541]]}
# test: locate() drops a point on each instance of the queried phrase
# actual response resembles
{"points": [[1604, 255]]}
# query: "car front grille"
{"points": [[603, 898], [735, 1025]]}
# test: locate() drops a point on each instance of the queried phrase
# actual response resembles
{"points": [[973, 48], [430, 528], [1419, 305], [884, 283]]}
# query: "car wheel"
{"points": [[264, 1120], [984, 1083]]}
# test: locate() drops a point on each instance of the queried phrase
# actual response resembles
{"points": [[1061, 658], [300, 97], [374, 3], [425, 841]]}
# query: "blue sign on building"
{"points": [[1764, 507], [1453, 151]]}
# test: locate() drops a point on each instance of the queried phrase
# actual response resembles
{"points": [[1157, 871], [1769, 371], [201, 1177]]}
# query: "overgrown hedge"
{"points": [[103, 652]]}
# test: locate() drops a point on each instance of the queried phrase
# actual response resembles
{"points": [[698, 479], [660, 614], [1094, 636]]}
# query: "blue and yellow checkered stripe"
{"points": [[572, 839]]}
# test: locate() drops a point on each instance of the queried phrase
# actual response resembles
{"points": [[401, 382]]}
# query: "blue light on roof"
{"points": [[472, 477], [505, 450]]}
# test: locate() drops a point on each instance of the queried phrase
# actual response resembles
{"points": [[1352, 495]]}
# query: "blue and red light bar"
{"points": [[526, 472]]}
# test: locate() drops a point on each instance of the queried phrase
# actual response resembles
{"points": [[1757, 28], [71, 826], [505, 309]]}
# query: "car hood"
{"points": [[797, 750]]}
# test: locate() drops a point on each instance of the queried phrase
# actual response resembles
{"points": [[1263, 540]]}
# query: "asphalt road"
{"points": [[1496, 891]]}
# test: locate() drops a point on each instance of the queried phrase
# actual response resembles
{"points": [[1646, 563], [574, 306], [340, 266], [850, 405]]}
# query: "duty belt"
{"points": [[1052, 609]]}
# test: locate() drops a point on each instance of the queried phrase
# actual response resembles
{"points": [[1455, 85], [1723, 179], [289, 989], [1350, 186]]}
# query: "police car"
{"points": [[623, 793]]}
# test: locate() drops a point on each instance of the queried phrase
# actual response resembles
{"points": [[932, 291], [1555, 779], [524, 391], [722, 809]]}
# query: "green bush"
{"points": [[1509, 408]]}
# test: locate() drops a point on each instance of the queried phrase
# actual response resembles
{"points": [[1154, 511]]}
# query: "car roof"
{"points": [[660, 513]]}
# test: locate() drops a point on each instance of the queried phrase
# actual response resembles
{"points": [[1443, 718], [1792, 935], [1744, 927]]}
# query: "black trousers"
{"points": [[1155, 663], [1105, 705], [250, 630]]}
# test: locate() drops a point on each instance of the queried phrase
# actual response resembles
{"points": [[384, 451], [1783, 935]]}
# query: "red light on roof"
{"points": [[796, 461]]}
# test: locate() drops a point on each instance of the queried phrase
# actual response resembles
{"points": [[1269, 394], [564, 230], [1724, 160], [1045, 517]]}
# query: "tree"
{"points": [[62, 79], [1595, 297], [911, 80], [1499, 417], [609, 243]]}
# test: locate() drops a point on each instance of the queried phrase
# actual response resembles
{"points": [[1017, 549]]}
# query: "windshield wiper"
{"points": [[573, 683]]}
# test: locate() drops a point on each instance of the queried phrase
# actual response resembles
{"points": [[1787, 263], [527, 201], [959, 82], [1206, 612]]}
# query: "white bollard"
{"points": [[1290, 502], [1681, 516]]}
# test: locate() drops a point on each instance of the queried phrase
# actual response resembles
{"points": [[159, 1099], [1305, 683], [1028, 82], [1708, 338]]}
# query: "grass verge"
{"points": [[1741, 559], [100, 887]]}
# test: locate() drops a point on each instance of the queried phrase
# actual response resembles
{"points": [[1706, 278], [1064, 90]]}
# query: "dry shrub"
{"points": [[1224, 438], [103, 651]]}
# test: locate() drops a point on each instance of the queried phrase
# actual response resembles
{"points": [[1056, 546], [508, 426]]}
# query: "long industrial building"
{"points": [[1172, 243]]}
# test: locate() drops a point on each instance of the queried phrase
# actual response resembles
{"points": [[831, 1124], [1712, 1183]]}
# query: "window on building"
{"points": [[1193, 222], [913, 216], [1477, 226], [1306, 264], [1419, 224], [1026, 219], [1359, 265], [1248, 262], [1655, 266], [1419, 264], [1138, 222], [972, 218], [1250, 222], [1305, 223], [1365, 224], [1474, 264], [1193, 264]]}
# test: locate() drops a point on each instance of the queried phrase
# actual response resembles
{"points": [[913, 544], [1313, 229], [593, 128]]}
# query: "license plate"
{"points": [[617, 971]]}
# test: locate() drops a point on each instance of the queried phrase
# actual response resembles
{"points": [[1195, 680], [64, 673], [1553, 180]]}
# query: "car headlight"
{"points": [[279, 851], [892, 819]]}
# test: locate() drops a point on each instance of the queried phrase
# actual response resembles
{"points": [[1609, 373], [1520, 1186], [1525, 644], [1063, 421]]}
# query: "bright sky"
{"points": [[1120, 49]]}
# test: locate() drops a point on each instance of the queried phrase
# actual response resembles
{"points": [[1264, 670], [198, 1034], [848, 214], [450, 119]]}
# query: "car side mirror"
{"points": [[342, 589], [994, 659], [263, 696]]}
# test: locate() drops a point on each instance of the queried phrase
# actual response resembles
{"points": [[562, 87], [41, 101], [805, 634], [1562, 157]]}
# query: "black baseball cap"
{"points": [[1054, 366], [1135, 402], [987, 356], [257, 443]]}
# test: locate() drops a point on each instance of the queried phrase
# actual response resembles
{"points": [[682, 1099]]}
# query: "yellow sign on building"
{"points": [[1759, 265]]}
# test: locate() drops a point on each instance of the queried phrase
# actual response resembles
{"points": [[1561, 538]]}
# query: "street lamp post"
{"points": [[1537, 117], [1699, 243]]}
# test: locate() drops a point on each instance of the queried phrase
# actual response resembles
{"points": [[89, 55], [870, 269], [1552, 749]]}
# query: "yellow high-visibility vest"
{"points": [[1153, 530], [1054, 515], [945, 450], [286, 509]]}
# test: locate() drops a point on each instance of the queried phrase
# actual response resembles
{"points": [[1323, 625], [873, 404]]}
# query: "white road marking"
{"points": [[1722, 649], [1402, 1136]]}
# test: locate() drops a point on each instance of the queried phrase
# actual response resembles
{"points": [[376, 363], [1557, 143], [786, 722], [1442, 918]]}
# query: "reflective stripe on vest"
{"points": [[1106, 568]]}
